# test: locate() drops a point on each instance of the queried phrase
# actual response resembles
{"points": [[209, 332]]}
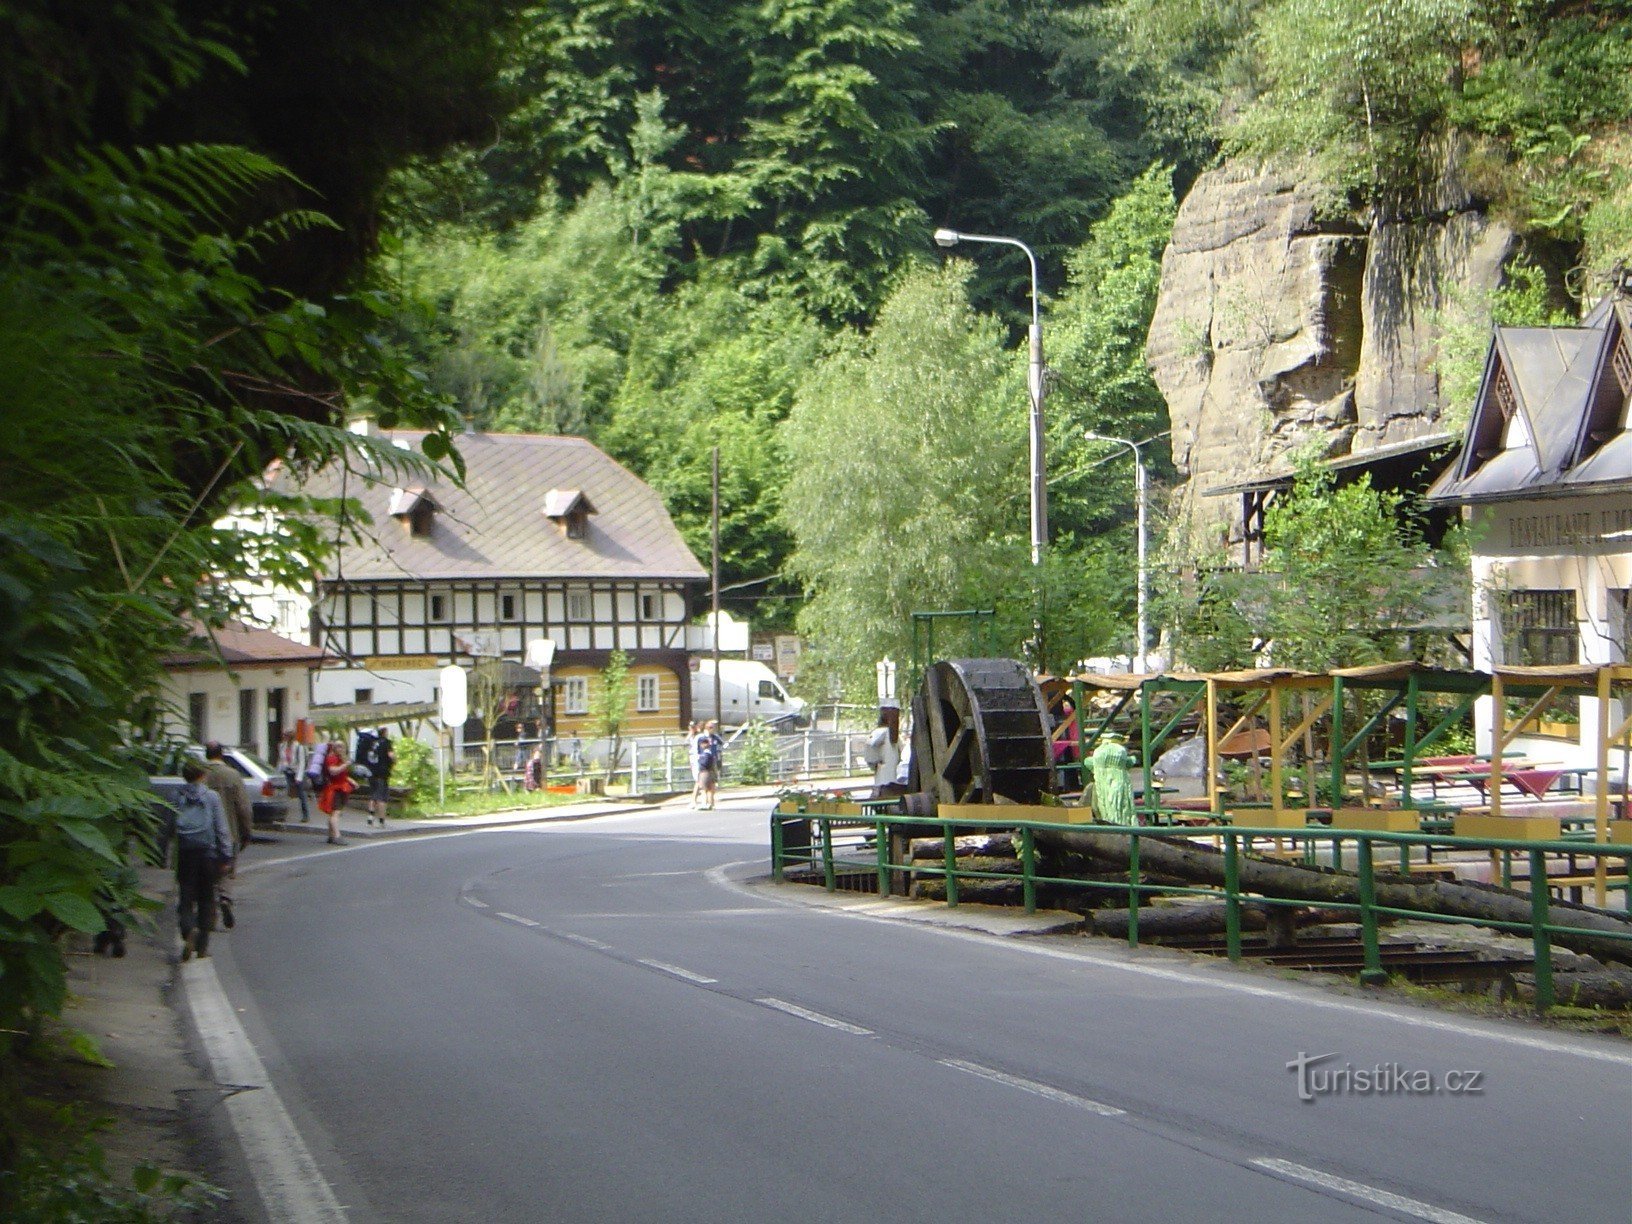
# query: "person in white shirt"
{"points": [[883, 750], [292, 759]]}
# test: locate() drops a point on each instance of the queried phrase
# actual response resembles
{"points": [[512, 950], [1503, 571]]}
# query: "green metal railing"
{"points": [[838, 844]]}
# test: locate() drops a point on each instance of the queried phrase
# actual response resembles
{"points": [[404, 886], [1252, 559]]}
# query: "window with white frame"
{"points": [[575, 695], [579, 606], [648, 696]]}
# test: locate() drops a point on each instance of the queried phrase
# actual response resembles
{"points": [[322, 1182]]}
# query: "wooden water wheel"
{"points": [[980, 735]]}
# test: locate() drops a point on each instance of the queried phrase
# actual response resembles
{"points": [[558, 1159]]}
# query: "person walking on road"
{"points": [[710, 752], [381, 757], [204, 854], [292, 756]]}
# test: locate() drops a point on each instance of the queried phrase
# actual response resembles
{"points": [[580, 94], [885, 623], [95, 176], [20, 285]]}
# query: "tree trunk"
{"points": [[935, 847], [1204, 865], [1605, 988], [1207, 918]]}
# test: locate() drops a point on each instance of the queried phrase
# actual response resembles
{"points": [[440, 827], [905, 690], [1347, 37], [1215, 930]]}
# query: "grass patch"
{"points": [[481, 803]]}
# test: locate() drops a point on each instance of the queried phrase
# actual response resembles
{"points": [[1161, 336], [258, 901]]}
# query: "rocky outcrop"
{"points": [[1275, 326]]}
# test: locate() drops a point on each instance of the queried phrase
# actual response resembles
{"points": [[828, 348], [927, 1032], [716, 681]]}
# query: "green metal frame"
{"points": [[879, 829]]}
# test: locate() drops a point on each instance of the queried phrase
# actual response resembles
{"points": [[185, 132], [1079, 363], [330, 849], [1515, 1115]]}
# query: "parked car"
{"points": [[268, 793]]}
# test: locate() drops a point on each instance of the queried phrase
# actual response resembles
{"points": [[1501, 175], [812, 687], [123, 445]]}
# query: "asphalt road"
{"points": [[601, 1021]]}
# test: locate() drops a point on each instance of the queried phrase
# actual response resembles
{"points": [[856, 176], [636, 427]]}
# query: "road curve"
{"points": [[598, 1021]]}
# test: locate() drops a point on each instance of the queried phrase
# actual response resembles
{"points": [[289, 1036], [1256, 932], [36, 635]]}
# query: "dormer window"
{"points": [[569, 510], [414, 508]]}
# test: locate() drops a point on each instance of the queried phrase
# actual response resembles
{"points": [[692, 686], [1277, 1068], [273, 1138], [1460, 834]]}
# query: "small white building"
{"points": [[240, 685], [1545, 477]]}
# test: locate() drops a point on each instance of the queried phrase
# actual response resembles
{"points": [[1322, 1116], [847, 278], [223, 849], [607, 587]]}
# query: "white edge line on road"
{"points": [[587, 941], [292, 1188], [1369, 1194], [678, 972], [1033, 1087], [1207, 978], [793, 1009], [515, 918], [476, 903]]}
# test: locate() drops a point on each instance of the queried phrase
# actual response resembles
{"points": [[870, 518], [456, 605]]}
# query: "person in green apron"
{"points": [[1113, 792]]}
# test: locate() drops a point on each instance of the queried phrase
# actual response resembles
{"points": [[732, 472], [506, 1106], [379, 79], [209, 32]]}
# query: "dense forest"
{"points": [[669, 225]]}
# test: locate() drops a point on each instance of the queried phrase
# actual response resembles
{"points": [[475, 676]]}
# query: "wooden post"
{"points": [[1600, 877], [1499, 700]]}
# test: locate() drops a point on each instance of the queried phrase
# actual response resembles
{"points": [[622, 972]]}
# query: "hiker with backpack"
{"points": [[336, 785], [198, 823], [377, 756]]}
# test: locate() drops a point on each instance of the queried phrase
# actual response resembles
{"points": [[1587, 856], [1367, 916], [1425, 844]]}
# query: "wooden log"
{"points": [[982, 892], [1202, 864], [981, 844], [1609, 989], [1206, 918]]}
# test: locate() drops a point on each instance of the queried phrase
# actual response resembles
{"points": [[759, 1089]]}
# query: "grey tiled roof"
{"points": [[495, 526], [1569, 398]]}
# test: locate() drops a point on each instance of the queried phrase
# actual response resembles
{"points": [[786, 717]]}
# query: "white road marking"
{"points": [[1033, 1087], [587, 941], [678, 972], [793, 1009], [291, 1186], [1369, 1194], [476, 903], [516, 918], [1205, 978]]}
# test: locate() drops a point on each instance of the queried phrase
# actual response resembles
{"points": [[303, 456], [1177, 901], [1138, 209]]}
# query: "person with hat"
{"points": [[883, 749]]}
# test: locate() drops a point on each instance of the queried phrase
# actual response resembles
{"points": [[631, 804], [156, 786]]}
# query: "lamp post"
{"points": [[1139, 495], [1034, 384]]}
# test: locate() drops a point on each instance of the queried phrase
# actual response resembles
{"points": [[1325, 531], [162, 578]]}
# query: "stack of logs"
{"points": [[1103, 859]]}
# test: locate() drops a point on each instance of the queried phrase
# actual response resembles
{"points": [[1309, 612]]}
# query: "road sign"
{"points": [[453, 706]]}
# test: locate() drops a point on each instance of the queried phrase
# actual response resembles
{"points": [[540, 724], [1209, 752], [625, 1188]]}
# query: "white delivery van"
{"points": [[748, 690]]}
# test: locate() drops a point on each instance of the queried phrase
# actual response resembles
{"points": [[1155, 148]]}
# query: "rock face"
{"points": [[1274, 327]]}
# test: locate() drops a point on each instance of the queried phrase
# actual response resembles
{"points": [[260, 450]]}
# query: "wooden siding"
{"points": [[669, 716]]}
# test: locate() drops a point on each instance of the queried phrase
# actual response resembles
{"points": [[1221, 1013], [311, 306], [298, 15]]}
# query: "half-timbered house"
{"points": [[548, 538]]}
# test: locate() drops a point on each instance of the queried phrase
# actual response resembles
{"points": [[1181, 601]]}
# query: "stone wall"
{"points": [[1274, 326]]}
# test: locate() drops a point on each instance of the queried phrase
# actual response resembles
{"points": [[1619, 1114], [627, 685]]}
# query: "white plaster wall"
{"points": [[222, 688], [1555, 544]]}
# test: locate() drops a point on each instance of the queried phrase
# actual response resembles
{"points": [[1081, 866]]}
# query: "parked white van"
{"points": [[748, 690]]}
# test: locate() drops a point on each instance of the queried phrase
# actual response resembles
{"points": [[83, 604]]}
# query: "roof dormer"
{"points": [[414, 508], [569, 510]]}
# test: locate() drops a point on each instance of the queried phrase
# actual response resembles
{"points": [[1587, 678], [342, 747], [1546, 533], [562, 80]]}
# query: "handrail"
{"points": [[821, 850]]}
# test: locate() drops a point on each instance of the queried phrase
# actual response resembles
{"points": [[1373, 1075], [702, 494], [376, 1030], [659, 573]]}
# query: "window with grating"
{"points": [[1539, 629]]}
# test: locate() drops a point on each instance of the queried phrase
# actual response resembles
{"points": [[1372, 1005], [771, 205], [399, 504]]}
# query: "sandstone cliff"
{"points": [[1274, 326]]}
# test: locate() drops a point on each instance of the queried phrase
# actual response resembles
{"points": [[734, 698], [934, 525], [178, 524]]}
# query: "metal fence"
{"points": [[832, 844], [654, 764]]}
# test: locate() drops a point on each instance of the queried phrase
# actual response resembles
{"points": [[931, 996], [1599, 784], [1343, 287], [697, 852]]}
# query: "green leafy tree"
{"points": [[491, 697], [609, 708], [906, 485], [1466, 323]]}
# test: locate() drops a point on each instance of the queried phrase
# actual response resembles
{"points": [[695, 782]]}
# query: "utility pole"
{"points": [[719, 711]]}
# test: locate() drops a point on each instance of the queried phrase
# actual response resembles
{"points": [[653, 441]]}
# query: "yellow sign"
{"points": [[401, 663]]}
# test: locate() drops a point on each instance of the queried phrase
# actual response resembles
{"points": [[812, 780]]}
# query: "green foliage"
{"points": [[609, 707], [1465, 333], [755, 757], [61, 1176], [415, 770], [906, 488]]}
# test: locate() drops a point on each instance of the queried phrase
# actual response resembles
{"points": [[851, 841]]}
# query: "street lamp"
{"points": [[1139, 494], [1034, 384]]}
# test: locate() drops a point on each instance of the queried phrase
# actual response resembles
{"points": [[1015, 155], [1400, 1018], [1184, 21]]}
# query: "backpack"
{"points": [[366, 742], [317, 763], [195, 823], [708, 755]]}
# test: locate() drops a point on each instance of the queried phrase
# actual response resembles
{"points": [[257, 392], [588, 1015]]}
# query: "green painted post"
{"points": [[1028, 868], [881, 844], [1232, 897], [950, 856], [776, 846], [1133, 889], [1372, 974], [1540, 916], [1336, 745], [827, 855]]}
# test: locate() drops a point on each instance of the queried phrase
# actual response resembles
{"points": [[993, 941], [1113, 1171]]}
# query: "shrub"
{"points": [[756, 758]]}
